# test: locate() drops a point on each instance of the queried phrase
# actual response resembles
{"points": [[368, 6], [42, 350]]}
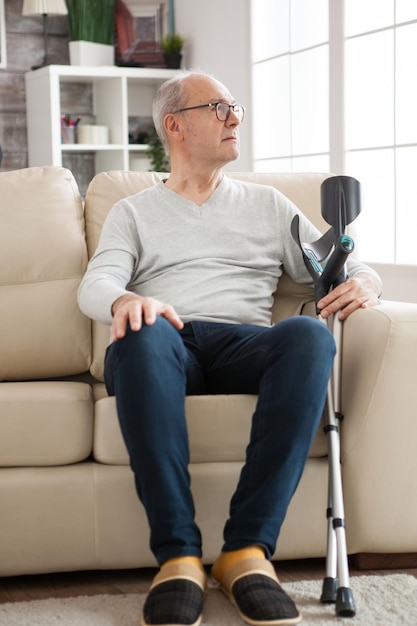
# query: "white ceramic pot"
{"points": [[90, 53], [93, 134]]}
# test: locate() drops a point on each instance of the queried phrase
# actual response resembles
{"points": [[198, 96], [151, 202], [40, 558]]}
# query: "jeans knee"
{"points": [[315, 330], [151, 348], [308, 336], [153, 340]]}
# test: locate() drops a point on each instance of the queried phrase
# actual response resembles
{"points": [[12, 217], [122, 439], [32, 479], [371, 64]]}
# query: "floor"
{"points": [[24, 588]]}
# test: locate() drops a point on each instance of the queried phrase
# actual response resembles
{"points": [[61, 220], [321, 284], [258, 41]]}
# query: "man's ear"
{"points": [[173, 128]]}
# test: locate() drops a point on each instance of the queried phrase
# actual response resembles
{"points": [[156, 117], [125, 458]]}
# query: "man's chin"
{"points": [[234, 154]]}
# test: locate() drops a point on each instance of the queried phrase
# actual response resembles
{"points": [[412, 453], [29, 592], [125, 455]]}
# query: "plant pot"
{"points": [[90, 53], [172, 60]]}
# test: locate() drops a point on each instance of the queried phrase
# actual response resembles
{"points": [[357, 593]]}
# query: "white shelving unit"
{"points": [[118, 93]]}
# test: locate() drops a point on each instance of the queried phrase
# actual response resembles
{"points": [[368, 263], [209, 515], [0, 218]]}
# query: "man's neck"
{"points": [[197, 188]]}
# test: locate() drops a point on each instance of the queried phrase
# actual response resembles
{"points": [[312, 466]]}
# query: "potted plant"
{"points": [[171, 46], [158, 159], [91, 31]]}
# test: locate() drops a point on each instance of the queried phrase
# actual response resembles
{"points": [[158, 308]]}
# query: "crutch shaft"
{"points": [[336, 586]]}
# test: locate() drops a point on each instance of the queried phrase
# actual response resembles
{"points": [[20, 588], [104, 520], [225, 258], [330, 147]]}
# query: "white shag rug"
{"points": [[380, 601]]}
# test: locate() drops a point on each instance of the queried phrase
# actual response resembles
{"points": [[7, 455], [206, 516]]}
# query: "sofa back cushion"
{"points": [[43, 256], [108, 187]]}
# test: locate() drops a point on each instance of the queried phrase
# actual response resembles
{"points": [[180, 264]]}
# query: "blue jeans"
{"points": [[151, 371]]}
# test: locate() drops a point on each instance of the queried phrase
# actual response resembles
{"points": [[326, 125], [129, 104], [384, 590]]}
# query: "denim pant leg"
{"points": [[290, 364], [146, 371]]}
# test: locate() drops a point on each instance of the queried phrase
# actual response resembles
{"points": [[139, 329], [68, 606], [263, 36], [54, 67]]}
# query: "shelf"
{"points": [[108, 96], [138, 147], [87, 147], [78, 73]]}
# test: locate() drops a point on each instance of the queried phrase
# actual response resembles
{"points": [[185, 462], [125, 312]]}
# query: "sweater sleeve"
{"points": [[110, 268]]}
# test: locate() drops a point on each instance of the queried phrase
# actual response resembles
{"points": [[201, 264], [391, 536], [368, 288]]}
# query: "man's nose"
{"points": [[233, 119]]}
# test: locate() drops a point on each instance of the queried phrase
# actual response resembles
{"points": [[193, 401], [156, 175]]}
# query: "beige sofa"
{"points": [[67, 500]]}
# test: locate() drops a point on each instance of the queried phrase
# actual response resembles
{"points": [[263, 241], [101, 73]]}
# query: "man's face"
{"points": [[206, 138]]}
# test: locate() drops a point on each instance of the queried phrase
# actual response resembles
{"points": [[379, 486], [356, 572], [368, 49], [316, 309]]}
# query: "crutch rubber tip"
{"points": [[329, 590], [345, 604]]}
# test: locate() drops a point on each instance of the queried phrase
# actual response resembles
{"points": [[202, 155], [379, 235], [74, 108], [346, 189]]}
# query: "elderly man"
{"points": [[184, 274]]}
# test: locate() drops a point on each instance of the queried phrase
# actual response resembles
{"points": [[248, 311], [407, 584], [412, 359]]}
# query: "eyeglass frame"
{"points": [[215, 105]]}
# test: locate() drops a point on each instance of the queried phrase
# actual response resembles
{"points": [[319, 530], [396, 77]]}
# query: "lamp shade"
{"points": [[44, 7]]}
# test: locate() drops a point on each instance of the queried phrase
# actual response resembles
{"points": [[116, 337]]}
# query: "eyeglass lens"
{"points": [[223, 111]]}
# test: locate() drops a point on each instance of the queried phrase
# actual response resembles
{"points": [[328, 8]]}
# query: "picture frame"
{"points": [[3, 60], [140, 26], [156, 10]]}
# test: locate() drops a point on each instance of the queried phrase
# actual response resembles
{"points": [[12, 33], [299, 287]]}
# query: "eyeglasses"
{"points": [[222, 110]]}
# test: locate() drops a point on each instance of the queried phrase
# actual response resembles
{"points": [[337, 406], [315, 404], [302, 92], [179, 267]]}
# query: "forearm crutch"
{"points": [[326, 262]]}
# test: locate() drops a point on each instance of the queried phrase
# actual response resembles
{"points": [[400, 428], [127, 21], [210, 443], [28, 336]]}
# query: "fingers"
{"points": [[357, 303], [347, 298], [136, 310], [152, 308], [123, 315], [171, 315]]}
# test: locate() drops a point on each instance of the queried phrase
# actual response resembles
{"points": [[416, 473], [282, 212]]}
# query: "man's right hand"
{"points": [[138, 310]]}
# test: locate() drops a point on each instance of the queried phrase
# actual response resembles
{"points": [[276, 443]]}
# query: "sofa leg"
{"points": [[367, 561]]}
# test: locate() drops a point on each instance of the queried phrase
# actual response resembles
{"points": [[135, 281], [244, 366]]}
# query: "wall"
{"points": [[24, 41], [217, 35]]}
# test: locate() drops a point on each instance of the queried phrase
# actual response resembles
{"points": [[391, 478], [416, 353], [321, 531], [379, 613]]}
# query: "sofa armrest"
{"points": [[379, 432]]}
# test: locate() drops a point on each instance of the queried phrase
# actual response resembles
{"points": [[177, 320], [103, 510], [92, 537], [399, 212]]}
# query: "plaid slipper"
{"points": [[176, 597], [253, 587]]}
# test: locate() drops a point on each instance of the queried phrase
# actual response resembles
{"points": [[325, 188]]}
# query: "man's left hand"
{"points": [[358, 292]]}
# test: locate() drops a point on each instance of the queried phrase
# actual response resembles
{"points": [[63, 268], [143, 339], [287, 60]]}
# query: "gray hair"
{"points": [[171, 96]]}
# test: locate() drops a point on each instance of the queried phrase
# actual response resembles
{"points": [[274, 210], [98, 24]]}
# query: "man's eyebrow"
{"points": [[213, 100]]}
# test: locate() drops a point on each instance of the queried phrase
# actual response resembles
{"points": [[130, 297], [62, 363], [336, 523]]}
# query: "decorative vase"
{"points": [[172, 60], [90, 53]]}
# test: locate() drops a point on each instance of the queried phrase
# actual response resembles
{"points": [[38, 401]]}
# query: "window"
{"points": [[335, 89], [290, 51]]}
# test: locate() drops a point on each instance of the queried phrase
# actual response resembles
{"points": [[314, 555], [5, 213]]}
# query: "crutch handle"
{"points": [[334, 273]]}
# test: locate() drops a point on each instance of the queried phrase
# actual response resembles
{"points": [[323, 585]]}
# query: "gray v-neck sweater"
{"points": [[219, 262]]}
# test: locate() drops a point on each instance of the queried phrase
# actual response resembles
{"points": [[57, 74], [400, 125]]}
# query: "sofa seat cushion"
{"points": [[45, 423], [218, 427]]}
